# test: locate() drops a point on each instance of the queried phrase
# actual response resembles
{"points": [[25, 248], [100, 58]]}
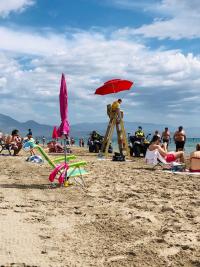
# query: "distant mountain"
{"points": [[7, 124]]}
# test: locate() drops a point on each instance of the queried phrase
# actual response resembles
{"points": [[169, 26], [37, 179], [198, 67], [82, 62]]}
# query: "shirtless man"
{"points": [[166, 136], [180, 139]]}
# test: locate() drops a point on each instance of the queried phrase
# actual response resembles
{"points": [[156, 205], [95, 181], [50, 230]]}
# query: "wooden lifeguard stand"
{"points": [[121, 133]]}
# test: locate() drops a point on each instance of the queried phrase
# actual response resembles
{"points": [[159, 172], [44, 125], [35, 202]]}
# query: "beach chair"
{"points": [[74, 170], [6, 147]]}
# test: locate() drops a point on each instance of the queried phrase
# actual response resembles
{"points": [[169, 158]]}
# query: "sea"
{"points": [[190, 144]]}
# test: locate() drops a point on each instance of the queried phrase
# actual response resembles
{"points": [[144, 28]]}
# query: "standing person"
{"points": [[157, 134], [83, 142], [31, 142], [80, 142], [72, 141], [43, 140], [29, 132], [180, 139], [166, 136], [67, 141], [116, 109]]}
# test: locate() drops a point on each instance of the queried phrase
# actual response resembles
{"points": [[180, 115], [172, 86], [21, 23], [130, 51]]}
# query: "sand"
{"points": [[129, 215]]}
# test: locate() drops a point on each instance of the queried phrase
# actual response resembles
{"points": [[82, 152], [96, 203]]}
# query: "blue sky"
{"points": [[154, 43]]}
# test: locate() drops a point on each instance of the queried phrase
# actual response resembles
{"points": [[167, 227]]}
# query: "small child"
{"points": [[32, 143]]}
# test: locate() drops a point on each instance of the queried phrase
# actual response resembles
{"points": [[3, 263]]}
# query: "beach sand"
{"points": [[129, 215]]}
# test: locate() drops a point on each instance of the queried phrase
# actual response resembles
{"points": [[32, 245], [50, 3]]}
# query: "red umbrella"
{"points": [[114, 86], [64, 127], [54, 133]]}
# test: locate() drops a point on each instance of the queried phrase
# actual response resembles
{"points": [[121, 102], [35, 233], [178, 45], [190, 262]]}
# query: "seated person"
{"points": [[195, 160], [15, 141], [1, 137], [139, 134], [55, 147], [157, 152], [115, 108], [96, 137]]}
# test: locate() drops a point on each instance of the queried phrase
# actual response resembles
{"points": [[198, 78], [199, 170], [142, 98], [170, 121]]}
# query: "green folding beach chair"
{"points": [[75, 171]]}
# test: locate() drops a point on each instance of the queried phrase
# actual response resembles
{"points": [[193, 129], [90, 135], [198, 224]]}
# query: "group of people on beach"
{"points": [[158, 146], [14, 141], [179, 137], [159, 142]]}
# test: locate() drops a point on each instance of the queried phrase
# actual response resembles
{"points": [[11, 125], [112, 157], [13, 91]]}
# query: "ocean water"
{"points": [[190, 144]]}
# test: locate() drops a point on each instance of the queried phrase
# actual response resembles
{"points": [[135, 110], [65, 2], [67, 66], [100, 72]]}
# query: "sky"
{"points": [[154, 43]]}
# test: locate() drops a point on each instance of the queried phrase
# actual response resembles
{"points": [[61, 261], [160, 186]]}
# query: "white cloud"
{"points": [[163, 79], [173, 19], [8, 6], [19, 41], [177, 19]]}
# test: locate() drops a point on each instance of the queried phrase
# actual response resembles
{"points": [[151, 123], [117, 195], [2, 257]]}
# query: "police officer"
{"points": [[139, 134]]}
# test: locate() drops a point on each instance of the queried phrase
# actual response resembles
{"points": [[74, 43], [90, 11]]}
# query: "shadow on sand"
{"points": [[26, 186]]}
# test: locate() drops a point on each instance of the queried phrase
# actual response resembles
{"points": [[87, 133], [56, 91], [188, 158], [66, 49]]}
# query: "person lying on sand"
{"points": [[155, 146]]}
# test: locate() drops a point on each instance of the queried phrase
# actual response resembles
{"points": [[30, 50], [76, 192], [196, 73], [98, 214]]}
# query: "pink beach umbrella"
{"points": [[54, 133], [64, 128]]}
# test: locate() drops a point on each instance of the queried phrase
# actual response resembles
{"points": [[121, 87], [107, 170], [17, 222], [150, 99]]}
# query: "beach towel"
{"points": [[183, 172], [35, 159]]}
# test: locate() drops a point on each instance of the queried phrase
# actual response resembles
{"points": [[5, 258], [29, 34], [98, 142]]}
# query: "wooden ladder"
{"points": [[121, 135]]}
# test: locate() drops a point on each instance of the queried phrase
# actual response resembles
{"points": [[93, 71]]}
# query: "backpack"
{"points": [[118, 157]]}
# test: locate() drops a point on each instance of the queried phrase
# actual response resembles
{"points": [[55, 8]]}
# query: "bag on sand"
{"points": [[118, 157]]}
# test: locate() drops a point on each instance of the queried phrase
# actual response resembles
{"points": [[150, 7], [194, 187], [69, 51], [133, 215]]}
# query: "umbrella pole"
{"points": [[65, 153]]}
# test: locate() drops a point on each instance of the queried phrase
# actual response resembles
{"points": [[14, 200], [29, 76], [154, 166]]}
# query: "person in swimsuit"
{"points": [[180, 139], [15, 140], [168, 156], [166, 136]]}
